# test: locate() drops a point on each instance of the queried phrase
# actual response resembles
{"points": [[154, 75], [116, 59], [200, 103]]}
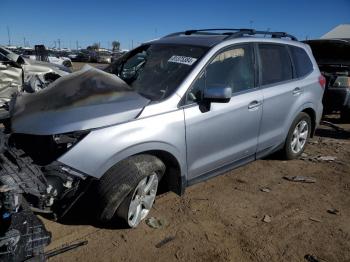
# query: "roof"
{"points": [[211, 37], [340, 31], [198, 40]]}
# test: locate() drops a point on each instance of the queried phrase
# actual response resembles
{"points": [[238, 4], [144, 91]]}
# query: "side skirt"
{"points": [[220, 170]]}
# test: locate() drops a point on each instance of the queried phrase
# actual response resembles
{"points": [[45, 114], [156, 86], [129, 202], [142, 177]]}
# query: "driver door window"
{"points": [[232, 68]]}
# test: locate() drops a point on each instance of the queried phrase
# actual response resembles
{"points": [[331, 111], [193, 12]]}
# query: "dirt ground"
{"points": [[78, 65], [222, 219]]}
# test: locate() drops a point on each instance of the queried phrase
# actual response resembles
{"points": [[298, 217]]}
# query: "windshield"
{"points": [[156, 71]]}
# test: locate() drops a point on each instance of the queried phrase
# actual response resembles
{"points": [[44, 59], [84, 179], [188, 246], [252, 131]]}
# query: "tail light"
{"points": [[322, 81]]}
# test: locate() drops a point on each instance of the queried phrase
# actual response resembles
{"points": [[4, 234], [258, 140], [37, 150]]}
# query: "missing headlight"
{"points": [[46, 149], [69, 139]]}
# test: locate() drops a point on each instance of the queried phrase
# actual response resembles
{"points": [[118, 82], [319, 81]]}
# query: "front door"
{"points": [[227, 132]]}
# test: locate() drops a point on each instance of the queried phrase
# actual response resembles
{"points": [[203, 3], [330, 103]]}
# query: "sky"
{"points": [[133, 22]]}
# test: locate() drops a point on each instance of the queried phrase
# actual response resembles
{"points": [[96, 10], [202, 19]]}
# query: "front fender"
{"points": [[144, 147], [102, 148]]}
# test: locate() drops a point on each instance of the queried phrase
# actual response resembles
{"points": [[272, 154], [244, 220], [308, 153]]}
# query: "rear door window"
{"points": [[276, 65], [302, 63]]}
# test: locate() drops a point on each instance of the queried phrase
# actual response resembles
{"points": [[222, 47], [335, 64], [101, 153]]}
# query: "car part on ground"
{"points": [[333, 59], [23, 235]]}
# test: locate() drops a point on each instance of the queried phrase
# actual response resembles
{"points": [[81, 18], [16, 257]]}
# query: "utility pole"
{"points": [[59, 43], [132, 44], [24, 42], [8, 34], [267, 30], [77, 44]]}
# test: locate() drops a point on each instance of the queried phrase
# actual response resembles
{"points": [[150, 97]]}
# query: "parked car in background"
{"points": [[53, 57], [175, 111], [81, 55], [104, 57], [333, 59]]}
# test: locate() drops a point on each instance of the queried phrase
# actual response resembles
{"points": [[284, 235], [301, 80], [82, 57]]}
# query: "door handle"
{"points": [[254, 104], [297, 91]]}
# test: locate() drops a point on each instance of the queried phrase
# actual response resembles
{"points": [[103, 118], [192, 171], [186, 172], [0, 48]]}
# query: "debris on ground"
{"points": [[265, 189], [326, 158], [333, 211], [311, 258], [315, 219], [155, 222], [64, 249], [313, 142], [165, 241], [318, 158], [330, 124], [302, 179], [266, 219]]}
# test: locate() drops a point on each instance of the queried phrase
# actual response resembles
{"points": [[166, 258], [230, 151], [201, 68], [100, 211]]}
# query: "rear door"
{"points": [[226, 133], [281, 93]]}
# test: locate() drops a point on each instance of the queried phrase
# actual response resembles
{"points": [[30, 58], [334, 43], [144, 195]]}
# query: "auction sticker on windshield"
{"points": [[182, 60]]}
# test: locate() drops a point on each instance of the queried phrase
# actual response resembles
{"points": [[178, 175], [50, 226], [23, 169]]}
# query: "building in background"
{"points": [[340, 31]]}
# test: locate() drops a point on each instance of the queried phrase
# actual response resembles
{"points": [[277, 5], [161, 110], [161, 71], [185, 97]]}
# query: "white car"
{"points": [[52, 58]]}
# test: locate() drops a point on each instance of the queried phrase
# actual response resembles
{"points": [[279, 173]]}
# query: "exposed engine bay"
{"points": [[27, 187]]}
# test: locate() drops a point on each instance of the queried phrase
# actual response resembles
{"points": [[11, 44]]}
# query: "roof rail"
{"points": [[233, 33]]}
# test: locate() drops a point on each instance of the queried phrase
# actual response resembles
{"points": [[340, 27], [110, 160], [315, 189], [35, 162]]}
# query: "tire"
{"points": [[345, 115], [292, 151], [117, 186]]}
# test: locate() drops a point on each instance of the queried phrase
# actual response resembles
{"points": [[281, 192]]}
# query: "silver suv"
{"points": [[172, 112]]}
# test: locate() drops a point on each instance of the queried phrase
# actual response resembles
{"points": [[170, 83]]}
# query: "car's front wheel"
{"points": [[298, 136], [138, 203], [129, 188]]}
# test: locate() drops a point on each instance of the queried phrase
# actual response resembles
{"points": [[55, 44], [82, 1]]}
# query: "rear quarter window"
{"points": [[303, 65], [276, 65]]}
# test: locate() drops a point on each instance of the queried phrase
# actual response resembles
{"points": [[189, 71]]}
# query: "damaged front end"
{"points": [[26, 187], [41, 129]]}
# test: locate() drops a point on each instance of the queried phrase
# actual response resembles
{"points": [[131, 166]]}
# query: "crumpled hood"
{"points": [[89, 98]]}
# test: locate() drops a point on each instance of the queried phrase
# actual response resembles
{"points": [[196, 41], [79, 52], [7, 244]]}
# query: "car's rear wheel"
{"points": [[298, 136], [129, 188]]}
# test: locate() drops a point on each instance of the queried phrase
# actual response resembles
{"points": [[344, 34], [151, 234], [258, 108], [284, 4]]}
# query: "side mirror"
{"points": [[217, 94]]}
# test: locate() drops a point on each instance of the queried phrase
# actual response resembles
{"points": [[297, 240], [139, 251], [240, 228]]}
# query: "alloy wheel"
{"points": [[142, 199], [300, 135]]}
